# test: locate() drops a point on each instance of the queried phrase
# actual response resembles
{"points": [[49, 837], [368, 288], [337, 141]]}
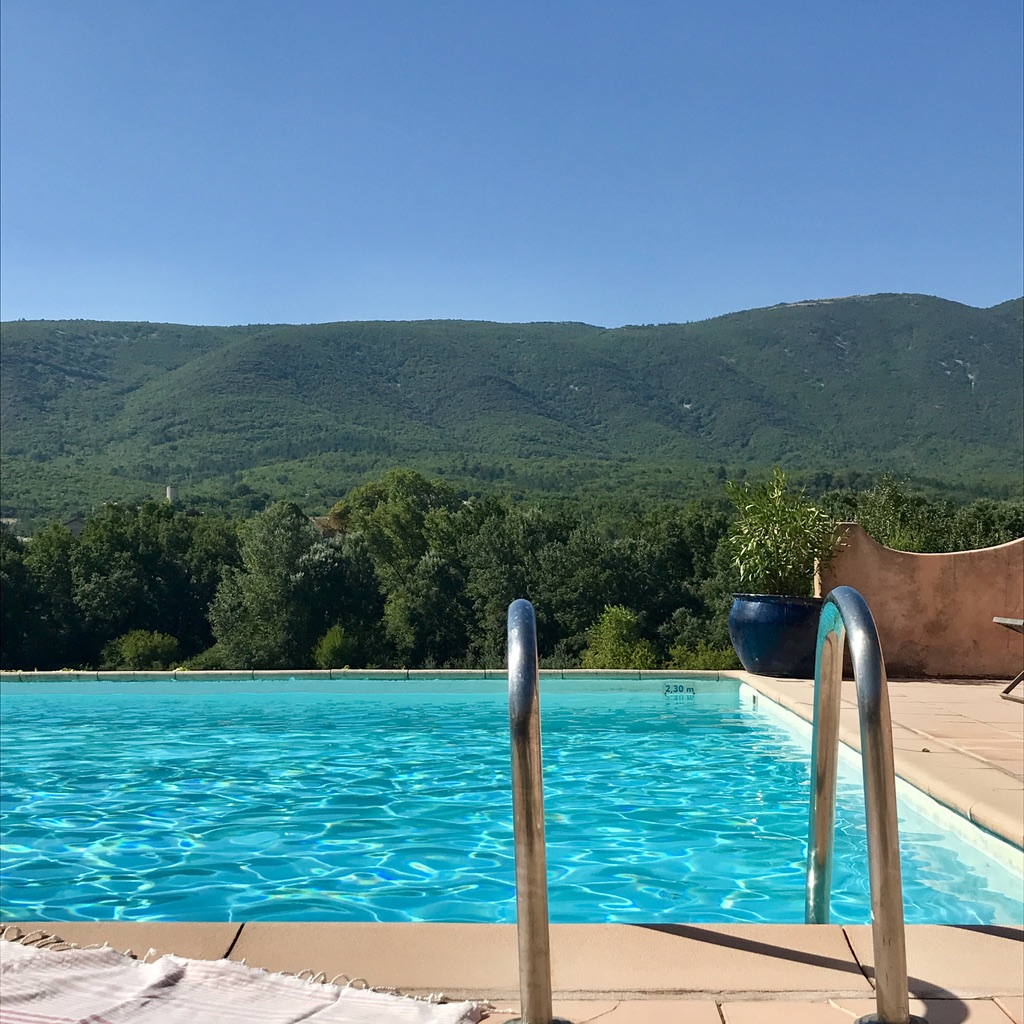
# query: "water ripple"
{"points": [[367, 808]]}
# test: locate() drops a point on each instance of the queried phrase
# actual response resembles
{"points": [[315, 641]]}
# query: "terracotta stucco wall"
{"points": [[934, 612]]}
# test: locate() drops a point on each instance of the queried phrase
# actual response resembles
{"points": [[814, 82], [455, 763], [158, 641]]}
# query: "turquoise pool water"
{"points": [[391, 802]]}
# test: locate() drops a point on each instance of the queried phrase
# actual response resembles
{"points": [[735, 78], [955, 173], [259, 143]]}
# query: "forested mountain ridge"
{"points": [[910, 384]]}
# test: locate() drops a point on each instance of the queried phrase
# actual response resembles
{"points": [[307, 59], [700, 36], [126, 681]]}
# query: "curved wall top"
{"points": [[934, 611]]}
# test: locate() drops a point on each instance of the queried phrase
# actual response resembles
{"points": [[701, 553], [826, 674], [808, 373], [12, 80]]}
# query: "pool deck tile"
{"points": [[461, 960], [698, 960], [195, 940], [1013, 1007], [783, 1013], [648, 1011], [587, 961], [966, 961], [844, 1011]]}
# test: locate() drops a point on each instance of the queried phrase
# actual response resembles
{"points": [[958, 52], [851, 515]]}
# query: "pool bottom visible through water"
{"points": [[660, 807]]}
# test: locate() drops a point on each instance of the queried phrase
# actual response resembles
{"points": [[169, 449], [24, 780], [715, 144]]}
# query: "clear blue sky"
{"points": [[637, 161]]}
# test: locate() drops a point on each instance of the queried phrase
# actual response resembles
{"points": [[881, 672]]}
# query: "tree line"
{"points": [[406, 571]]}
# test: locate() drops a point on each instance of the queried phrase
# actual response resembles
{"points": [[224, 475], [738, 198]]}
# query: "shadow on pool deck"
{"points": [[955, 740]]}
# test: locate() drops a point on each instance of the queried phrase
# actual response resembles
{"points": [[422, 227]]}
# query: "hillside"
{"points": [[911, 384]]}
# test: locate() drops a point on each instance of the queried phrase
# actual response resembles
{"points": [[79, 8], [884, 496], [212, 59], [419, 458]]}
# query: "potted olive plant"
{"points": [[778, 540]]}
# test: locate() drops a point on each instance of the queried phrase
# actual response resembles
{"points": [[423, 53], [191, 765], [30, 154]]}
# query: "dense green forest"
{"points": [[406, 571], [839, 391]]}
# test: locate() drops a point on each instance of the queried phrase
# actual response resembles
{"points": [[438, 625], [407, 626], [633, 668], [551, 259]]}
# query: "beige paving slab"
{"points": [[198, 941], [1012, 1006], [587, 961], [995, 750], [698, 959], [986, 749], [660, 1011], [970, 962], [1013, 720], [970, 732], [947, 721], [935, 1011], [645, 1011], [962, 783], [925, 758], [1002, 813], [463, 960], [845, 1011], [760, 1012]]}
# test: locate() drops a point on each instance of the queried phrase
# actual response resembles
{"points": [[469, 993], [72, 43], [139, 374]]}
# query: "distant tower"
{"points": [[172, 493]]}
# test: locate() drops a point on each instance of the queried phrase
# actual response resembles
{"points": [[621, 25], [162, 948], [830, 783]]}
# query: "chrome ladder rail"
{"points": [[528, 818], [846, 614]]}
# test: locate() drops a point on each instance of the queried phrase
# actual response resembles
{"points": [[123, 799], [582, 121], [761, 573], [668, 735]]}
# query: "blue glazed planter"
{"points": [[774, 635]]}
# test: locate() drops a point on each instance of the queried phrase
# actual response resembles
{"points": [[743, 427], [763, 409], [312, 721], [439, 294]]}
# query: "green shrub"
{"points": [[614, 641], [210, 660], [702, 656], [901, 520], [142, 650], [335, 649]]}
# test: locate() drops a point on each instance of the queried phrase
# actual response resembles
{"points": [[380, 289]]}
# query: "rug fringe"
{"points": [[42, 939]]}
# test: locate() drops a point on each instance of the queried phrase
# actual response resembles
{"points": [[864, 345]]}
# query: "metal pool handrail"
{"points": [[843, 613], [528, 817]]}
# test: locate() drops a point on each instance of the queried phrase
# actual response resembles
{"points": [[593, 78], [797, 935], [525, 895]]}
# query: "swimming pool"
{"points": [[666, 802]]}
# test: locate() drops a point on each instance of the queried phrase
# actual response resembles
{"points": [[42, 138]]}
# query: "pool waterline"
{"points": [[464, 684]]}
